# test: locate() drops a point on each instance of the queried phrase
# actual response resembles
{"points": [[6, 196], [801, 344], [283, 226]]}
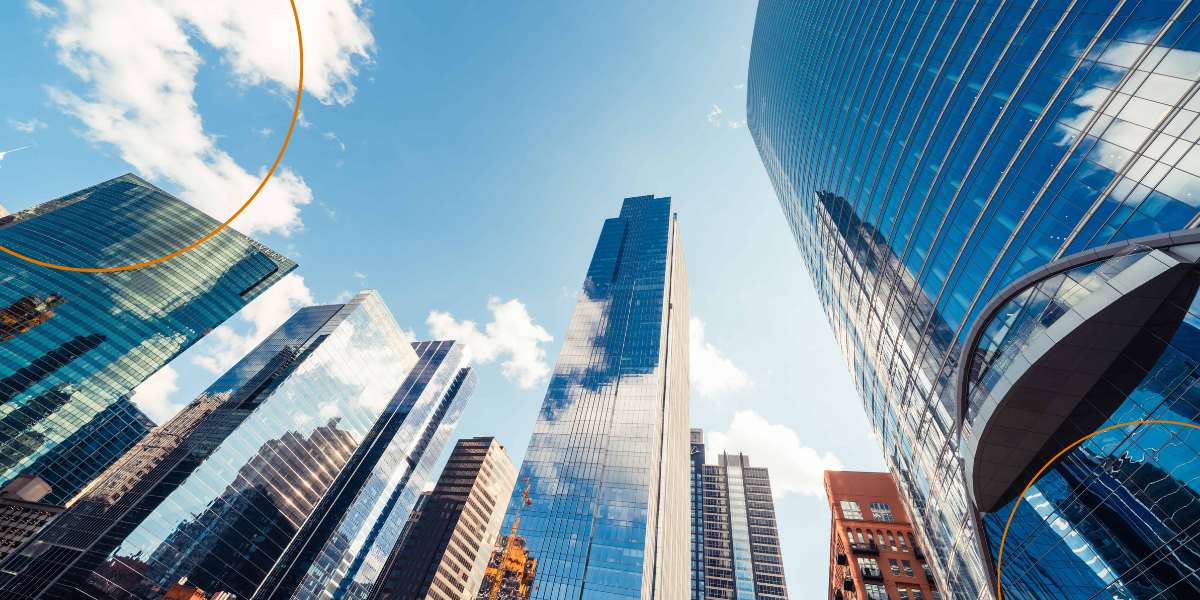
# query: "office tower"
{"points": [[72, 345], [697, 513], [741, 538], [994, 202], [218, 492], [85, 455], [607, 462], [22, 512], [872, 551], [345, 543], [445, 552]]}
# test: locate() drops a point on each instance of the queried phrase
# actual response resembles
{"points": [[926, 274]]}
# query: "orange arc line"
{"points": [[1000, 554], [295, 114]]}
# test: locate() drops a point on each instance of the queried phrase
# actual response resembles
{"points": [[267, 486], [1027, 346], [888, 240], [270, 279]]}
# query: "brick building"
{"points": [[873, 554]]}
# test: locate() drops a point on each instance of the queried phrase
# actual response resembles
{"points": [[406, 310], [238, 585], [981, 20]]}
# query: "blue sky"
{"points": [[460, 158]]}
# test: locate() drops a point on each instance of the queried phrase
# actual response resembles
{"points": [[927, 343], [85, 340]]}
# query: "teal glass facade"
{"points": [[608, 460], [928, 155], [218, 492], [73, 344]]}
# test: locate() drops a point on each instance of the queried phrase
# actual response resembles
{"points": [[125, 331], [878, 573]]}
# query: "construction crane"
{"points": [[511, 571]]}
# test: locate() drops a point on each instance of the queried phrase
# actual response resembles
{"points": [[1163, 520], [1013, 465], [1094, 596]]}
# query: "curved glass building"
{"points": [[995, 201]]}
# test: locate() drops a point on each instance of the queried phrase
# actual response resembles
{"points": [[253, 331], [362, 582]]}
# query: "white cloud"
{"points": [[27, 126], [13, 150], [223, 347], [154, 395], [343, 297], [794, 467], [139, 62], [359, 275], [738, 87], [40, 10], [711, 373], [712, 116], [736, 124], [511, 333], [301, 121], [569, 293], [265, 132]]}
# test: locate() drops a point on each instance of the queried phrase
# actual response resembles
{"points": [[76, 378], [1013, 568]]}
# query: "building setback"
{"points": [[443, 554], [741, 538], [218, 492], [607, 462], [872, 552], [998, 204], [22, 512], [72, 345], [345, 543]]}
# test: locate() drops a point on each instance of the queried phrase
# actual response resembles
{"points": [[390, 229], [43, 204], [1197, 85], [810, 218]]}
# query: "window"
{"points": [[850, 510], [895, 566], [882, 544], [876, 591], [908, 572], [913, 543], [892, 541], [861, 542], [936, 595], [881, 511], [928, 571], [869, 567], [916, 594], [903, 593], [903, 546]]}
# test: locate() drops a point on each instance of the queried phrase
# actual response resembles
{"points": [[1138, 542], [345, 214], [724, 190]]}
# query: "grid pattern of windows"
{"points": [[607, 461], [697, 513], [74, 344], [448, 545], [235, 474], [927, 153], [741, 546], [850, 510]]}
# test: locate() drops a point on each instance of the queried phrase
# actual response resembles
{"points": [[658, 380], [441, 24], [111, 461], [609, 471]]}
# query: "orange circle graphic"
{"points": [[295, 113], [1000, 554]]}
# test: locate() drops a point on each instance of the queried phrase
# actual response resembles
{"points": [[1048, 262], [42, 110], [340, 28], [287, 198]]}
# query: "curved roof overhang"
{"points": [[1037, 405]]}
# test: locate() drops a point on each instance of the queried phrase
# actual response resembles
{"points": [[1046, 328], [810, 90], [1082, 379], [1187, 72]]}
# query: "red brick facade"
{"points": [[873, 554]]}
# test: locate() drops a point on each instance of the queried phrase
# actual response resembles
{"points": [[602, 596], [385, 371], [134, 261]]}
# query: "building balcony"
{"points": [[872, 575], [848, 584], [861, 549], [842, 560]]}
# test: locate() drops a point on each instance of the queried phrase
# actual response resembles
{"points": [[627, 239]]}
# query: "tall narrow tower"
{"points": [[608, 460]]}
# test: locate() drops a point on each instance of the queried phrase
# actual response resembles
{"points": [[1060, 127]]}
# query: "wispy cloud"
{"points": [[736, 124], [359, 275], [13, 150], [265, 132], [511, 333], [794, 467], [140, 63], [29, 126], [343, 297], [40, 10], [328, 211], [569, 293], [712, 116], [711, 373], [330, 136], [301, 121], [740, 86]]}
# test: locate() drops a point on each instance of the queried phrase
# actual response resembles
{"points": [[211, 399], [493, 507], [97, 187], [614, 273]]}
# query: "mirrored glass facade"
{"points": [[72, 345], [219, 491], [608, 459], [741, 539], [928, 155], [344, 546]]}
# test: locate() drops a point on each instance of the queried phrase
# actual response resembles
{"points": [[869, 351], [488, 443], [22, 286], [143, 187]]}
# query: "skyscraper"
{"points": [[872, 551], [218, 492], [697, 513], [995, 202], [607, 462], [741, 538], [344, 545], [445, 552], [72, 345]]}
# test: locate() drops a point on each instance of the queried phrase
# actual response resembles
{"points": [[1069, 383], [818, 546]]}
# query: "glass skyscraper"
{"points": [[608, 460], [995, 202], [741, 539], [218, 492], [344, 545], [72, 345], [697, 513]]}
